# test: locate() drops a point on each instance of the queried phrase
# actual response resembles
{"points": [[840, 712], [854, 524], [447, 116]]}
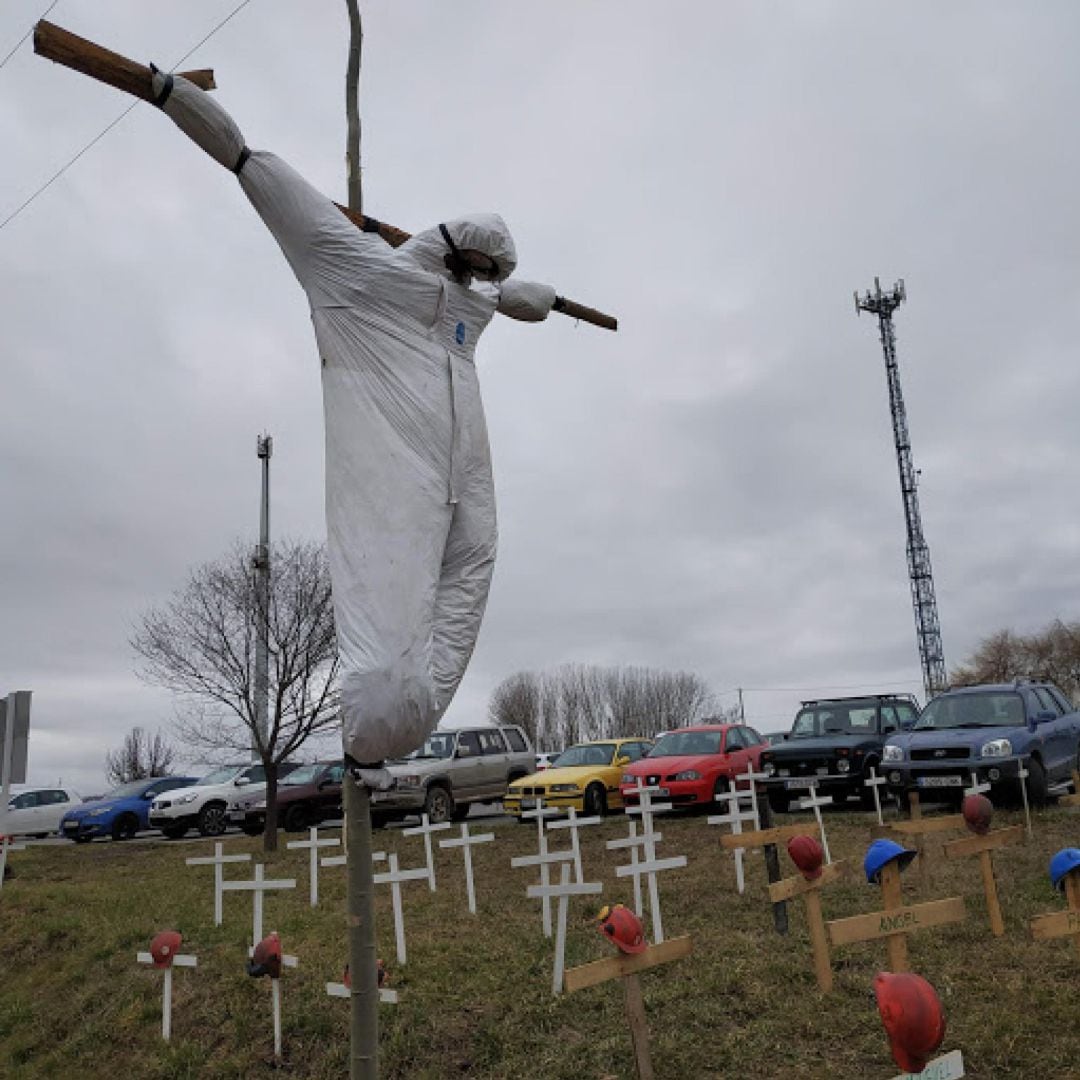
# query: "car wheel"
{"points": [[212, 819], [779, 801], [1036, 783], [296, 818], [595, 802], [173, 832], [125, 827], [438, 804]]}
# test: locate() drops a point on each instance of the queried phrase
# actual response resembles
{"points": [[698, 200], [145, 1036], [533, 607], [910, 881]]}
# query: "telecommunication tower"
{"points": [[931, 654]]}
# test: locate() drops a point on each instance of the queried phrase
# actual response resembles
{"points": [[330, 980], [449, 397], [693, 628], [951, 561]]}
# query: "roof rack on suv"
{"points": [[861, 697]]}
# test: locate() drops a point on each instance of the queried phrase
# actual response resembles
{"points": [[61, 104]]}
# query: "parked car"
{"points": [[692, 765], [585, 776], [836, 741], [204, 806], [772, 738], [38, 811], [988, 730], [452, 770], [307, 795], [121, 813]]}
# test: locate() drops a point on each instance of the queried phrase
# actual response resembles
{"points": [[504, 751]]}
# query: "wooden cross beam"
{"points": [[917, 828], [72, 51], [983, 846], [896, 921], [810, 891], [1062, 923], [626, 967]]}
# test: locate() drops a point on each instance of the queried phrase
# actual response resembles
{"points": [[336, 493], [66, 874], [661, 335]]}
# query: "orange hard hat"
{"points": [[164, 947], [911, 1013], [623, 928]]}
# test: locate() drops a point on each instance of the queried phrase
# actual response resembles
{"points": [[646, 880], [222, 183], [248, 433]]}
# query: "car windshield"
{"points": [[585, 755], [988, 709], [125, 791], [818, 720], [219, 776], [304, 775], [439, 744], [679, 743]]}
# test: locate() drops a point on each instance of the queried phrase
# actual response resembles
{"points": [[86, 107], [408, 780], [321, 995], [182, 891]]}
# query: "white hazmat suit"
{"points": [[410, 503]]}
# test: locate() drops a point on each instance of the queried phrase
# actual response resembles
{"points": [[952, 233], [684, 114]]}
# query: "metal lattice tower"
{"points": [[931, 653]]}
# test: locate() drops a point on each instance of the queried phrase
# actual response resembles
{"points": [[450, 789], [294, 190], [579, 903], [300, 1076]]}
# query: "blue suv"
{"points": [[121, 813], [987, 730]]}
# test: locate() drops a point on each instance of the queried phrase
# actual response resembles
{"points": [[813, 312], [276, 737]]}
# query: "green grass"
{"points": [[476, 993]]}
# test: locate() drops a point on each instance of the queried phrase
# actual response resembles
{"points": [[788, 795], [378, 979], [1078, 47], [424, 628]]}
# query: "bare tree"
{"points": [[578, 702], [201, 645], [139, 758]]}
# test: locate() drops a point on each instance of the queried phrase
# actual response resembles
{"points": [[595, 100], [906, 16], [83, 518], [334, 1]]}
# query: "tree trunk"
{"points": [[270, 829]]}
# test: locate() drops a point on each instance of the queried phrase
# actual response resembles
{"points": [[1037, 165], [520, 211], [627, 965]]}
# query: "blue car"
{"points": [[121, 813], [988, 730]]}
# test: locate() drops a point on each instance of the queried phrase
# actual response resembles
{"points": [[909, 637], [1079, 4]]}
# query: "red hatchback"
{"points": [[692, 765]]}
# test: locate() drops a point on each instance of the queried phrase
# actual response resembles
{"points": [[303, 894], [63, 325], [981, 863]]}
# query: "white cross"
{"points": [[873, 782], [751, 778], [386, 996], [564, 890], [6, 845], [650, 866], [275, 985], [573, 823], [180, 960], [1022, 775], [633, 842], [259, 886], [465, 843], [540, 811], [815, 802], [313, 844], [394, 878], [217, 861], [735, 817], [976, 788], [425, 829], [343, 860]]}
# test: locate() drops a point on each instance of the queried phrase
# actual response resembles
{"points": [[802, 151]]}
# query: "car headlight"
{"points": [[768, 768], [687, 774], [997, 748], [186, 798], [98, 813], [892, 753], [409, 781], [843, 765], [565, 788]]}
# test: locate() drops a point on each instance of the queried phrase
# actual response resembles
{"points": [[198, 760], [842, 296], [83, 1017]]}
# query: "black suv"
{"points": [[838, 740]]}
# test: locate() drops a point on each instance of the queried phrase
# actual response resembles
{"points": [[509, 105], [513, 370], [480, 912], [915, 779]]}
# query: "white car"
{"points": [[38, 812], [202, 805]]}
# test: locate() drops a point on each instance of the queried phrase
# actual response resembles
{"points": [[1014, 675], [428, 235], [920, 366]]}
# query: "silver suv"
{"points": [[452, 770]]}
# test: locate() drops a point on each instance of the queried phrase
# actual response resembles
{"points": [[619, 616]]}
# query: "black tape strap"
{"points": [[166, 90], [560, 304], [242, 160], [371, 224]]}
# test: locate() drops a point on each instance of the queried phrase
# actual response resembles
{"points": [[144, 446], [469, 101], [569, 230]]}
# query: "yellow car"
{"points": [[585, 776]]}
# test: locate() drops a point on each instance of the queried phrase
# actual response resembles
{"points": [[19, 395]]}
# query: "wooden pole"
{"points": [[818, 940], [993, 907], [1072, 894], [772, 868], [352, 107], [639, 1026], [893, 898]]}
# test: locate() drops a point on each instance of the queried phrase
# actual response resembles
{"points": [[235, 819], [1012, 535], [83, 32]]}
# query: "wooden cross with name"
{"points": [[313, 843], [810, 891], [626, 967], [1062, 923], [896, 921], [983, 846], [217, 861]]}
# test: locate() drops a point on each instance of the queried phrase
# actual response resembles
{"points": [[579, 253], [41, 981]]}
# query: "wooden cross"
{"points": [[259, 886], [917, 828], [650, 866], [217, 861], [1068, 800], [873, 782], [633, 842], [896, 921], [573, 823], [6, 845], [815, 802], [465, 842], [626, 967], [313, 843], [539, 812], [810, 891], [179, 960], [976, 788], [1062, 923], [735, 817], [425, 829], [983, 846], [564, 890], [394, 878]]}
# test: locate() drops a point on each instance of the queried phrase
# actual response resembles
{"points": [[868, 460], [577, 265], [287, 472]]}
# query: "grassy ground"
{"points": [[476, 994]]}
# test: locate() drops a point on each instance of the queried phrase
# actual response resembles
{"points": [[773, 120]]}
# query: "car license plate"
{"points": [[940, 781], [528, 803], [797, 785]]}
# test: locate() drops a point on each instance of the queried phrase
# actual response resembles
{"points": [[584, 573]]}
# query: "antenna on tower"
{"points": [[931, 653]]}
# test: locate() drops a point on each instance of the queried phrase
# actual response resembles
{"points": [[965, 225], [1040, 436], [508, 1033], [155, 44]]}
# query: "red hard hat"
{"points": [[623, 928], [977, 811], [808, 855], [266, 960], [164, 947], [911, 1013]]}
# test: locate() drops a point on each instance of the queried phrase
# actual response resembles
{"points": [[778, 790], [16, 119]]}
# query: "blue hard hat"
{"points": [[881, 852], [1065, 860]]}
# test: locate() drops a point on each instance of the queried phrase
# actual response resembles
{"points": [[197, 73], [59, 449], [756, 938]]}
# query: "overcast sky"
{"points": [[711, 489]]}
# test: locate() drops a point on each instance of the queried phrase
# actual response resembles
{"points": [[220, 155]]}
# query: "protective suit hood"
{"points": [[483, 232]]}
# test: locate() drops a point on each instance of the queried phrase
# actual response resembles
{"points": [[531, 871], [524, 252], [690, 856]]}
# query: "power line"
{"points": [[817, 689], [28, 33], [97, 138]]}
